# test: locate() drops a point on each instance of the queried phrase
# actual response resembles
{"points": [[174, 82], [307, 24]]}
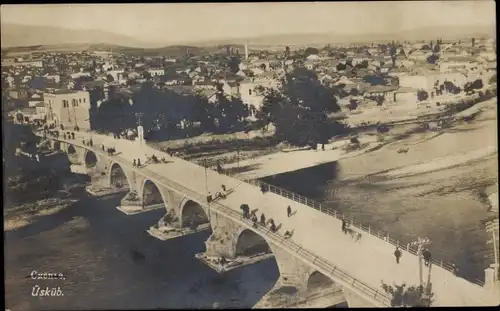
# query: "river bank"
{"points": [[414, 194]]}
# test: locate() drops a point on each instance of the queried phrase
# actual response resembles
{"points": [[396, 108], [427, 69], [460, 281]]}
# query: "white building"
{"points": [[55, 78], [156, 71], [69, 108], [35, 100], [249, 93], [427, 82], [80, 74], [30, 63]]}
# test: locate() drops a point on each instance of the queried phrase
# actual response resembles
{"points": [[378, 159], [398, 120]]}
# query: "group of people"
{"points": [[89, 142], [129, 134], [253, 217], [69, 135], [111, 151], [136, 163], [218, 195], [47, 132]]}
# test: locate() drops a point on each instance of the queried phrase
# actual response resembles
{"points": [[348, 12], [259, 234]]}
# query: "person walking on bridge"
{"points": [[273, 227], [138, 162], [427, 257], [134, 164], [397, 254], [254, 220], [289, 211], [263, 219], [344, 226]]}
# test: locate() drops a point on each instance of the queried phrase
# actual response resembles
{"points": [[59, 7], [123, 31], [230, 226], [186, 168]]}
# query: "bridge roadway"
{"points": [[369, 260]]}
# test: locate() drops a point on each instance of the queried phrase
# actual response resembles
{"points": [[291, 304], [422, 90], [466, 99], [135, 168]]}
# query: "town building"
{"points": [[156, 71], [68, 108], [30, 63]]}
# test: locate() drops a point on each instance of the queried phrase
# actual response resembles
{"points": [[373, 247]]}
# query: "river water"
{"points": [[454, 220], [93, 251]]}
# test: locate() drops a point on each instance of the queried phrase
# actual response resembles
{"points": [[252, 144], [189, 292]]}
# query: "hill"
{"points": [[427, 33], [23, 35]]}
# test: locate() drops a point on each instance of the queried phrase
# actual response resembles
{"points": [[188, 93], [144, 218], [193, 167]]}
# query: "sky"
{"points": [[196, 21]]}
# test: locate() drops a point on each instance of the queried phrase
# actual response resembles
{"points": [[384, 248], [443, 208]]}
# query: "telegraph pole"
{"points": [[206, 174], [238, 154], [420, 242], [140, 129]]}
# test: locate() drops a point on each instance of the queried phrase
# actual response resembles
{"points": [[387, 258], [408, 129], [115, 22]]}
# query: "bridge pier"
{"points": [[293, 272], [222, 241], [354, 300], [232, 246], [300, 286]]}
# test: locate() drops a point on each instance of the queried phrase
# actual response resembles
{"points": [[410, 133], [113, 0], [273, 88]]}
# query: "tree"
{"points": [[362, 65], [341, 67], [230, 111], [393, 51], [234, 64], [470, 87], [379, 100], [432, 59], [422, 95], [299, 108], [311, 51], [437, 48], [353, 104], [109, 78], [413, 296]]}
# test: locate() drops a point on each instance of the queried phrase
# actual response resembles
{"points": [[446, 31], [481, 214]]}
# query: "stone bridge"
{"points": [[317, 253]]}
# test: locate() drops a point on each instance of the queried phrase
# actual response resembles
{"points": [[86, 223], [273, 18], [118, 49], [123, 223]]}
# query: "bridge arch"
{"points": [[318, 280], [90, 158], [193, 211], [118, 178], [151, 194], [249, 243], [71, 150]]}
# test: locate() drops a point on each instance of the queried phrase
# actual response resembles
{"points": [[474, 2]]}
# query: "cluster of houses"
{"points": [[56, 86]]}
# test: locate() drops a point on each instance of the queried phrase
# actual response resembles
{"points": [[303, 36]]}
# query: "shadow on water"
{"points": [[310, 182], [114, 263]]}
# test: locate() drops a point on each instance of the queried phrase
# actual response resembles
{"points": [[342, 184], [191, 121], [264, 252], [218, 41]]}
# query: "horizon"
{"points": [[251, 19]]}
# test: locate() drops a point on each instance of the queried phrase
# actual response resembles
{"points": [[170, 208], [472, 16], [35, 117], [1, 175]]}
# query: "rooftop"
{"points": [[63, 91]]}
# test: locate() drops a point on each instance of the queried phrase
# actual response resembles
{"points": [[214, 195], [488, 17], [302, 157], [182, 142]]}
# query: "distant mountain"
{"points": [[13, 35], [427, 33], [50, 38], [170, 51]]}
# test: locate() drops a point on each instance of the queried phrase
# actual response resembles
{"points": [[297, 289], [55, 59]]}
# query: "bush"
{"points": [[413, 296]]}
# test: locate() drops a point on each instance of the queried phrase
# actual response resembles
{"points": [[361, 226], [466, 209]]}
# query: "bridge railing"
{"points": [[329, 268], [332, 212]]}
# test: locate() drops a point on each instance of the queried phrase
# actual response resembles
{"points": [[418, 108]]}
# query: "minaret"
{"points": [[246, 50]]}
